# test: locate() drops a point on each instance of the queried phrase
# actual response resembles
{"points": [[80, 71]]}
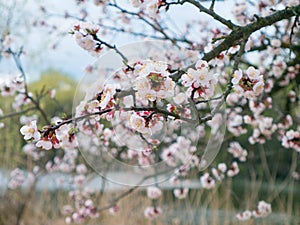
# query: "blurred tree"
{"points": [[64, 87], [11, 153]]}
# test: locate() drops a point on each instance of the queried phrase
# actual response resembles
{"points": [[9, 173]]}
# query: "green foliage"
{"points": [[65, 88]]}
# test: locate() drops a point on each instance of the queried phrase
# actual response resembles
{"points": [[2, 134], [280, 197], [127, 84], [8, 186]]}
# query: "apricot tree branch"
{"points": [[36, 102], [17, 113], [236, 35], [211, 13]]}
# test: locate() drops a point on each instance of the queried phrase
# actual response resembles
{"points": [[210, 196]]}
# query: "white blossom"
{"points": [[30, 131]]}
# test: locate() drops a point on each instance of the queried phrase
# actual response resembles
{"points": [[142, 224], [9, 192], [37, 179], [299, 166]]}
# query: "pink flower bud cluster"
{"points": [[262, 210]]}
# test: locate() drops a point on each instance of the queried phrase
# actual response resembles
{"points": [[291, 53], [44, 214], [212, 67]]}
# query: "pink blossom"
{"points": [[263, 209], [243, 216], [233, 170], [152, 213], [237, 151], [153, 192], [114, 210], [181, 193], [207, 181], [222, 167], [219, 175], [81, 169], [17, 179]]}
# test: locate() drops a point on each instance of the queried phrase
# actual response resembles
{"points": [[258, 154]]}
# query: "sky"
{"points": [[68, 57]]}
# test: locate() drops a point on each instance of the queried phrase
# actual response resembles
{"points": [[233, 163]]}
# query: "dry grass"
{"points": [[217, 206]]}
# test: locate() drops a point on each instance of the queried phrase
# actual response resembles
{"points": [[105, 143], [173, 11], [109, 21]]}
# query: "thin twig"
{"points": [[17, 113], [211, 13], [36, 102], [132, 189], [124, 58], [157, 27], [292, 31], [211, 8]]}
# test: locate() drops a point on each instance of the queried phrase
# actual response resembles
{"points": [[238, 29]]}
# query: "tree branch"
{"points": [[210, 12], [236, 35], [17, 113]]}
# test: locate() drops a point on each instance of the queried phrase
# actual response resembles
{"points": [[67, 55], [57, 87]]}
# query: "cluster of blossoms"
{"points": [[291, 139], [85, 35], [147, 86], [140, 123], [263, 128], [18, 178], [21, 99], [250, 84], [65, 164], [237, 151], [83, 207], [63, 137], [153, 81], [182, 153], [209, 182], [9, 41], [15, 87], [150, 95], [9, 87], [31, 150], [235, 122], [263, 209], [200, 82]]}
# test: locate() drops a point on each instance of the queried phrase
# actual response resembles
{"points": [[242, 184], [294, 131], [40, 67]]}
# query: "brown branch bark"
{"points": [[237, 35], [211, 13]]}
